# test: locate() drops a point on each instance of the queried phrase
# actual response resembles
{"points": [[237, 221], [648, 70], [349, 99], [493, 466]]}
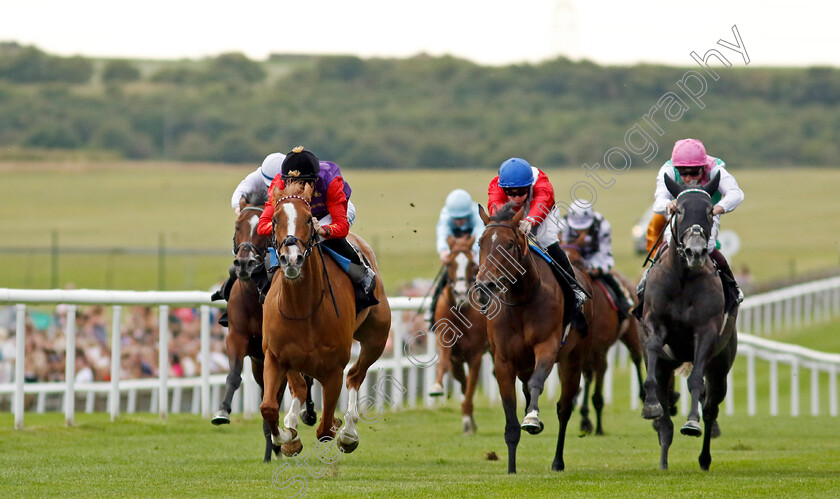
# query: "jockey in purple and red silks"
{"points": [[330, 205]]}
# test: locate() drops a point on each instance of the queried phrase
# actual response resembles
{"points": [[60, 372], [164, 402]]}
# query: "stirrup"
{"points": [[580, 297], [368, 280]]}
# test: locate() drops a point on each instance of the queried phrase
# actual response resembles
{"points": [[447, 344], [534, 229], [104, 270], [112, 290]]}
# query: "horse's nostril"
{"points": [[283, 259]]}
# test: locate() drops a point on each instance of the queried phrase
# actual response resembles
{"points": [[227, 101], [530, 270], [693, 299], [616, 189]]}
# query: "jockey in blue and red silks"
{"points": [[528, 187], [331, 209]]}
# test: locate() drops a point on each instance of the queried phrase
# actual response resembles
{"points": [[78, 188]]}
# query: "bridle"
{"points": [[693, 229], [291, 239], [520, 255], [248, 245]]}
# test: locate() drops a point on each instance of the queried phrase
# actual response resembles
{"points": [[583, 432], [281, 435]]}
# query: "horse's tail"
{"points": [[684, 370]]}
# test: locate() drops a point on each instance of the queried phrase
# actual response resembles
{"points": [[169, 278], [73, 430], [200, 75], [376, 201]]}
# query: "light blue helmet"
{"points": [[515, 172], [459, 203]]}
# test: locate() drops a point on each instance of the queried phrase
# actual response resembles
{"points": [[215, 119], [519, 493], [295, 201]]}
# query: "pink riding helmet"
{"points": [[689, 152]]}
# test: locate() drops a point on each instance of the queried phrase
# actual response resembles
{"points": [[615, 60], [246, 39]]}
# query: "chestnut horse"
{"points": [[685, 321], [467, 328], [310, 322], [524, 304], [604, 330], [245, 315]]}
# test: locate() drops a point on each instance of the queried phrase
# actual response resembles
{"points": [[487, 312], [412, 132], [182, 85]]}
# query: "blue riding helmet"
{"points": [[515, 172], [459, 204]]}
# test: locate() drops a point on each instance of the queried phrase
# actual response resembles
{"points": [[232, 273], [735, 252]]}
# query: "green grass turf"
{"points": [[123, 204], [416, 453]]}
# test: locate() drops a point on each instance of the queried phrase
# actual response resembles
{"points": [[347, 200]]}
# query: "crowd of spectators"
{"points": [[46, 344]]}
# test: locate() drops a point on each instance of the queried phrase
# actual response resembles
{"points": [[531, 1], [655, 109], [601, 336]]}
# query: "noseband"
{"points": [[248, 245], [292, 240]]}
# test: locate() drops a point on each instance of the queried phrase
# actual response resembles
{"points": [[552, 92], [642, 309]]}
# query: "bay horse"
{"points": [[245, 315], [310, 322], [460, 328], [685, 321], [604, 330], [524, 305]]}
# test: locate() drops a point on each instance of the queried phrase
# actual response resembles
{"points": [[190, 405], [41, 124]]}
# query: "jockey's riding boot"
{"points": [[640, 294], [559, 256], [361, 275], [224, 293], [723, 267], [430, 315]]}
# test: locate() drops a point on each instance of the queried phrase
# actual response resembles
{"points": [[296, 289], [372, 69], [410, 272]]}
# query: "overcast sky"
{"points": [[774, 32]]}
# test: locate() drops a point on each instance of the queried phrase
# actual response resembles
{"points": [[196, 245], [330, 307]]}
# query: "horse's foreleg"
{"points": [[715, 393], [443, 366], [545, 355], [467, 406], [274, 376], [236, 349], [569, 372], [506, 379], [652, 408], [663, 425], [297, 388], [308, 415]]}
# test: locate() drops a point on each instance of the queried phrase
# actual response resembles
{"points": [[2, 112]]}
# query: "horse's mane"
{"points": [[505, 213], [257, 198]]}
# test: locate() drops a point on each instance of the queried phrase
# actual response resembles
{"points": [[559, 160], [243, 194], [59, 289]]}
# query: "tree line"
{"points": [[423, 111]]}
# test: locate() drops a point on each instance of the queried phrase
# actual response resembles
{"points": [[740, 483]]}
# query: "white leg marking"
{"points": [[291, 419]]}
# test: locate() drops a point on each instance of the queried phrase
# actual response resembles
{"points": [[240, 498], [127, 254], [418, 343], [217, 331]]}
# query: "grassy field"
{"points": [[788, 223]]}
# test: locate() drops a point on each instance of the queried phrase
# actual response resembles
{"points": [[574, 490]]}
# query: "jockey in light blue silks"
{"points": [[458, 218]]}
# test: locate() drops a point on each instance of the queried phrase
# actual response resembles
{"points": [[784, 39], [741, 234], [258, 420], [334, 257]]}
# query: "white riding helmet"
{"points": [[271, 167], [581, 216], [459, 203]]}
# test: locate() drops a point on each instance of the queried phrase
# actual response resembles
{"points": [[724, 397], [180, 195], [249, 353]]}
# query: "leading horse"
{"points": [[245, 315], [685, 320], [310, 322], [525, 304], [461, 329]]}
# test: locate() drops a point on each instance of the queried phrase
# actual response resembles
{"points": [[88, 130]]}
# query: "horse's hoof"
{"points": [[691, 428], [308, 418], [533, 426], [585, 427], [221, 417], [292, 448], [715, 431], [348, 448], [436, 391], [652, 411]]}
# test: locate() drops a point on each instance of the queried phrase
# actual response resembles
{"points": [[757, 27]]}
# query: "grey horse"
{"points": [[685, 321]]}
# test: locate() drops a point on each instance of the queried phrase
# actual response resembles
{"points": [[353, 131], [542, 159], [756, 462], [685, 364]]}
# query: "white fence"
{"points": [[409, 378]]}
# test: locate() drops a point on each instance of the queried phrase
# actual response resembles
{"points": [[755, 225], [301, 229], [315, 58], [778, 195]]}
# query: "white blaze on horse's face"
{"points": [[254, 221], [462, 262], [292, 252]]}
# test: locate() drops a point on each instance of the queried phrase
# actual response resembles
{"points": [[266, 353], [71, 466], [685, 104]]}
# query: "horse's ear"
{"points": [[483, 214], [520, 214], [242, 203], [307, 191], [673, 187], [713, 184], [450, 240], [276, 194], [471, 241]]}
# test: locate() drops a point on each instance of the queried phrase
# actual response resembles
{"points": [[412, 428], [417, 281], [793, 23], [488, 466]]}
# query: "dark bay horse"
{"points": [[461, 329], [310, 322], [524, 306], [604, 330], [684, 321], [245, 315]]}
